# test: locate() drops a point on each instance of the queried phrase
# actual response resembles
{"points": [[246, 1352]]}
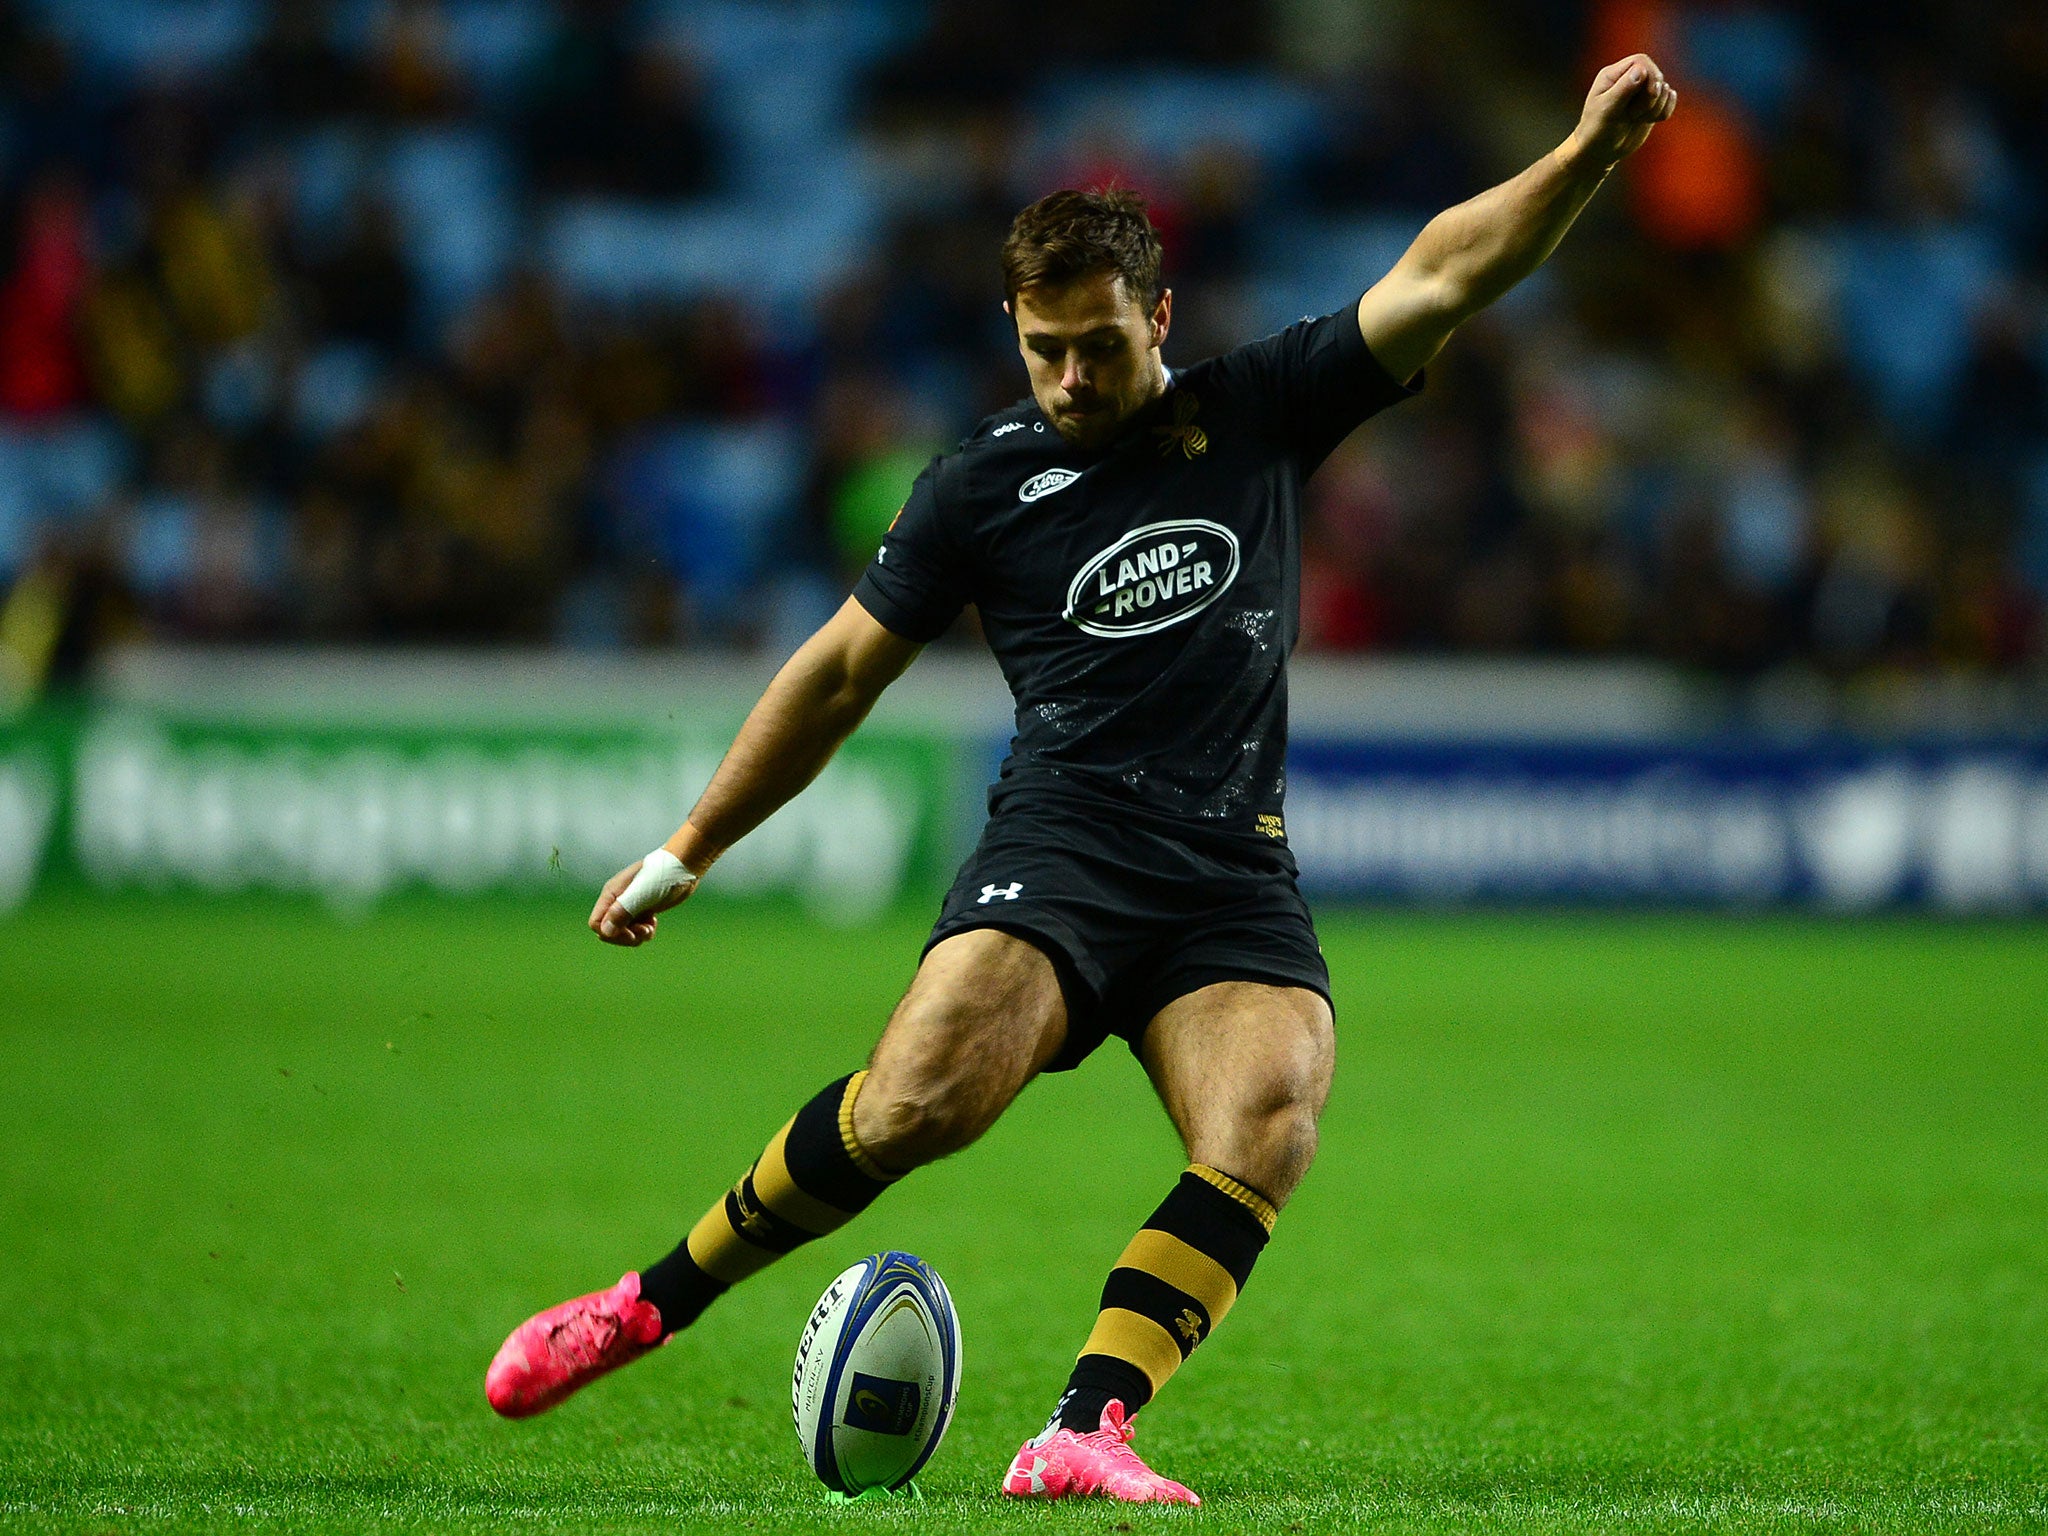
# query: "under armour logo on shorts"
{"points": [[1008, 892]]}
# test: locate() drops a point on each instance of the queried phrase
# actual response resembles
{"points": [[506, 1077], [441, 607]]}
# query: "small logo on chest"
{"points": [[1153, 577], [1182, 433], [1044, 484]]}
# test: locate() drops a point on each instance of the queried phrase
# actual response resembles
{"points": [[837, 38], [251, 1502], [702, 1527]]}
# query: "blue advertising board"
{"points": [[1736, 822]]}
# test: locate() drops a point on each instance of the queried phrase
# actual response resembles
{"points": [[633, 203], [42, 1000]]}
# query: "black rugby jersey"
{"points": [[1142, 598]]}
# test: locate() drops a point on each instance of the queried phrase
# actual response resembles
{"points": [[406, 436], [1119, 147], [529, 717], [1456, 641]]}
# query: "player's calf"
{"points": [[813, 1178]]}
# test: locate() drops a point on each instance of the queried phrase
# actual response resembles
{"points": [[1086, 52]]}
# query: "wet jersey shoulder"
{"points": [[1003, 448]]}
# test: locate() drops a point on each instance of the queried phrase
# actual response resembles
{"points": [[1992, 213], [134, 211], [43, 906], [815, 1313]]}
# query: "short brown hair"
{"points": [[1072, 234]]}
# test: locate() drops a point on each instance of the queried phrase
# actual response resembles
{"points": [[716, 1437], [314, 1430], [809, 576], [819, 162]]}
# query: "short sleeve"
{"points": [[1314, 381], [917, 583]]}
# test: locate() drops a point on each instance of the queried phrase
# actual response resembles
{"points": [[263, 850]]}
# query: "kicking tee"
{"points": [[1141, 598]]}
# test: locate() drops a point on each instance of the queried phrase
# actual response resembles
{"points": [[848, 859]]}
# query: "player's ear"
{"points": [[1162, 316]]}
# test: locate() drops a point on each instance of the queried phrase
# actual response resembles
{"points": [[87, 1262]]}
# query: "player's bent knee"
{"points": [[1268, 1136], [1294, 1080], [979, 1022], [927, 1097], [1304, 1072], [1272, 1150], [1292, 1139], [909, 1124]]}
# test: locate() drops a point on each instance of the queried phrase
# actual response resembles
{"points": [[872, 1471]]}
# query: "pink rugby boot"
{"points": [[555, 1352], [1066, 1464]]}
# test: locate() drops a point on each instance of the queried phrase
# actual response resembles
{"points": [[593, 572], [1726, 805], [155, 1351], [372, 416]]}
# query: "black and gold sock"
{"points": [[813, 1178], [1173, 1284]]}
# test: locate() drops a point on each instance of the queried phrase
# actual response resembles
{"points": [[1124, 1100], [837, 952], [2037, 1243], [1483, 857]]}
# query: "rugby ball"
{"points": [[877, 1370]]}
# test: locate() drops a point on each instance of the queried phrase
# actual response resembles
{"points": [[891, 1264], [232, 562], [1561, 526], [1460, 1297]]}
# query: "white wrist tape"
{"points": [[661, 876]]}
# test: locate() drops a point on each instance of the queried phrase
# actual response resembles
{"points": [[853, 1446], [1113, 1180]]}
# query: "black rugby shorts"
{"points": [[1131, 918]]}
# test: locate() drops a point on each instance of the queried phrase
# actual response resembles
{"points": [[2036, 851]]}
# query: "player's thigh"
{"points": [[982, 1018], [1244, 1069]]}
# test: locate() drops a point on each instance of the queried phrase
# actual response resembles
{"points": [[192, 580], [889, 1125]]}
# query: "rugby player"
{"points": [[1130, 537]]}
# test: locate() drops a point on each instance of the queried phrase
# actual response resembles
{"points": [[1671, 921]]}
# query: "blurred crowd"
{"points": [[616, 323]]}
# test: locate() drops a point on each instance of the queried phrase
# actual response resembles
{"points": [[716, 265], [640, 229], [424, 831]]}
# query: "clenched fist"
{"points": [[626, 908], [1628, 99]]}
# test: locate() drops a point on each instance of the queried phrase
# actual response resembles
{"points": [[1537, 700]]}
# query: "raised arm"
{"points": [[814, 703], [1468, 256]]}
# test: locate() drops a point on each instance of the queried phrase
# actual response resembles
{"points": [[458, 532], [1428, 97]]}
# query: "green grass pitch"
{"points": [[1621, 1223]]}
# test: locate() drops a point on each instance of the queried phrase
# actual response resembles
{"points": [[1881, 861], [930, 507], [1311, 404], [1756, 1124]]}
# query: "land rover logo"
{"points": [[1045, 484], [1152, 577]]}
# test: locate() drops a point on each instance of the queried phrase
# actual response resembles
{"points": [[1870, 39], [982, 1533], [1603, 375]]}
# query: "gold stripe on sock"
{"points": [[1184, 1267], [847, 1139], [1243, 1194], [1134, 1337], [780, 1193], [721, 1252]]}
